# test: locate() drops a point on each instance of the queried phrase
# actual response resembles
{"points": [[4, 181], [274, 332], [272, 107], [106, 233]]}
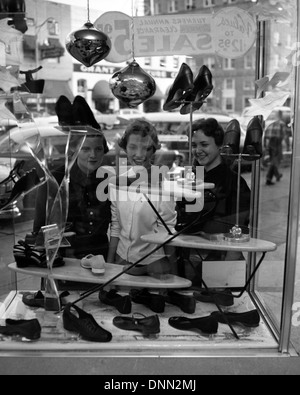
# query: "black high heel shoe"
{"points": [[64, 111], [15, 174], [231, 143], [27, 183], [181, 87], [202, 89], [31, 85], [253, 142], [82, 113]]}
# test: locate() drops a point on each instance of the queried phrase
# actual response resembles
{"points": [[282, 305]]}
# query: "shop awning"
{"points": [[55, 89], [102, 91], [53, 50]]}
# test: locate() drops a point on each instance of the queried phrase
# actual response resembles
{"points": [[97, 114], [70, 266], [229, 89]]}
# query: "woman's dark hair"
{"points": [[96, 134], [143, 129], [211, 128], [91, 133]]}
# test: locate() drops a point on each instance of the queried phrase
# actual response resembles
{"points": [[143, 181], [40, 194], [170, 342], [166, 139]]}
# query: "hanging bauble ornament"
{"points": [[88, 45], [132, 85]]}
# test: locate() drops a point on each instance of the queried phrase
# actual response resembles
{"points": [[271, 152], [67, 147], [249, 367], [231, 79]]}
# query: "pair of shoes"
{"points": [[186, 303], [79, 113], [14, 10], [84, 324], [224, 298], [253, 141], [206, 325], [268, 182], [279, 177], [112, 298], [30, 329], [25, 184], [185, 89], [155, 302], [249, 319], [27, 256], [147, 325], [94, 262]]}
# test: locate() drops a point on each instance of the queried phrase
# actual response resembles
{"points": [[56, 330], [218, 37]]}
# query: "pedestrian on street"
{"points": [[274, 135]]}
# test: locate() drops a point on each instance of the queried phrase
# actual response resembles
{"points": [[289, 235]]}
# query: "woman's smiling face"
{"points": [[140, 150], [205, 150]]}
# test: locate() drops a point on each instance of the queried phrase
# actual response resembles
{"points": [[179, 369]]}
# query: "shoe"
{"points": [[253, 140], [85, 325], [147, 325], [16, 6], [202, 89], [137, 270], [15, 174], [250, 319], [82, 114], [112, 298], [31, 85], [268, 182], [181, 87], [94, 262], [31, 329], [37, 299], [232, 136], [64, 111], [27, 256], [155, 302], [224, 298], [27, 183], [186, 303], [206, 325]]}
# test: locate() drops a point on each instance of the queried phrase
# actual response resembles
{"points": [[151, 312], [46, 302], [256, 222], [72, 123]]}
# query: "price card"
{"points": [[234, 32], [118, 27]]}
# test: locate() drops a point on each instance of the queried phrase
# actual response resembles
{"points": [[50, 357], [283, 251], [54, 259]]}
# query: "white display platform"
{"points": [[170, 341]]}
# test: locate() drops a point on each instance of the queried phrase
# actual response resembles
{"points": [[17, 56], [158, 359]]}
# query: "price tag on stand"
{"points": [[234, 32], [118, 27]]}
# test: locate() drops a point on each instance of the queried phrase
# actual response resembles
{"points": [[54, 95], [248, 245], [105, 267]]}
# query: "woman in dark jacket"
{"points": [[207, 141], [88, 218]]}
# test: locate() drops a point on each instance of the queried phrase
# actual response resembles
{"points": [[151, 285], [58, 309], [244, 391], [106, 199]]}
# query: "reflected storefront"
{"points": [[252, 49]]}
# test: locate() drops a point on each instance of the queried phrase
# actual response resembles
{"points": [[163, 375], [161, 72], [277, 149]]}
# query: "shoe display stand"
{"points": [[170, 341], [72, 271]]}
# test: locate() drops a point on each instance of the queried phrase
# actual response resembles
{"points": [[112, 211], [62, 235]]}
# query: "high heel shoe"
{"points": [[24, 185], [231, 143], [181, 87], [202, 89], [253, 142], [82, 113], [15, 174], [64, 111], [31, 85], [16, 6]]}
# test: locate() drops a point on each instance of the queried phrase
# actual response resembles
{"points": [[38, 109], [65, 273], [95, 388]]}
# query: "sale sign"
{"points": [[230, 33]]}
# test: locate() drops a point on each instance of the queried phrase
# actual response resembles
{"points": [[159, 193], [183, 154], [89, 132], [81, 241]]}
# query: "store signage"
{"points": [[229, 33], [100, 69]]}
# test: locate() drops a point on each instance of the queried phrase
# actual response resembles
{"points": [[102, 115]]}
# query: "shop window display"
{"points": [[67, 295]]}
